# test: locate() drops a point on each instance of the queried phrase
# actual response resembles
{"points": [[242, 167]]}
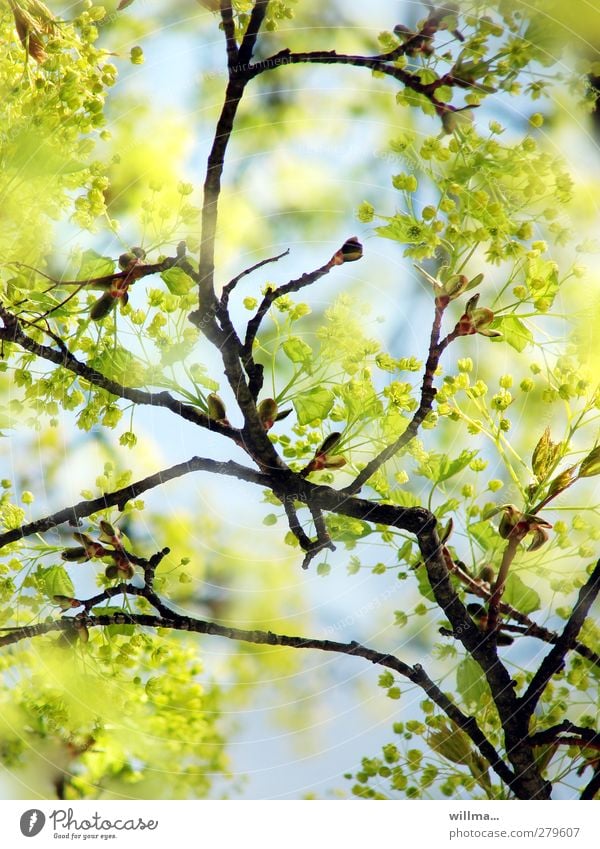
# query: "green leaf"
{"points": [[518, 595], [56, 581], [470, 681], [513, 331], [121, 366], [439, 467], [34, 156], [449, 468], [178, 282], [313, 405], [298, 351], [404, 498], [94, 265], [115, 630], [423, 583], [485, 534]]}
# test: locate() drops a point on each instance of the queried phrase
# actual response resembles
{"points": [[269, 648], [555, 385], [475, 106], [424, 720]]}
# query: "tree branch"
{"points": [[593, 788], [587, 736], [204, 317], [174, 621], [529, 627], [249, 41], [484, 652], [554, 660], [379, 63], [229, 30], [120, 497], [12, 332], [309, 546]]}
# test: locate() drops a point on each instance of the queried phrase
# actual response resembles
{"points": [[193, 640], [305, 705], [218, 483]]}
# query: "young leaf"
{"points": [[56, 581], [94, 265], [298, 351], [313, 405], [470, 681], [544, 455], [519, 595], [178, 282], [513, 331]]}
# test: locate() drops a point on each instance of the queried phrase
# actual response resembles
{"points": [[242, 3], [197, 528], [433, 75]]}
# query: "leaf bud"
{"points": [[590, 465], [511, 516], [487, 574], [101, 308], [126, 259], [452, 743], [455, 286], [75, 555], [267, 412], [562, 481], [92, 548], [109, 534], [66, 602], [544, 455], [330, 443], [540, 536], [350, 251], [216, 408]]}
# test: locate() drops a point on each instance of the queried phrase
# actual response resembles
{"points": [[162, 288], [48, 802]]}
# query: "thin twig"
{"points": [[587, 736], [248, 44], [254, 370], [428, 393], [229, 287]]}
